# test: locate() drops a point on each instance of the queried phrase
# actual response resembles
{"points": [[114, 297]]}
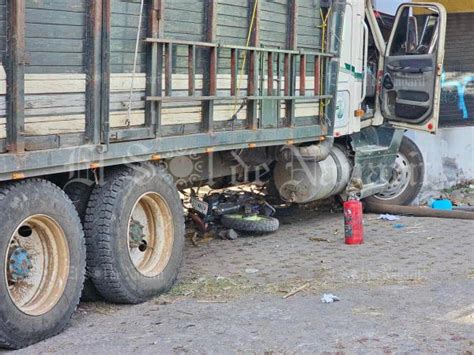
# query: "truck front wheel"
{"points": [[407, 177], [42, 261], [135, 234]]}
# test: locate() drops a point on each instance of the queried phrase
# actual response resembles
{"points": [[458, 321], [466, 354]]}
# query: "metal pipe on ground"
{"points": [[464, 208], [417, 211]]}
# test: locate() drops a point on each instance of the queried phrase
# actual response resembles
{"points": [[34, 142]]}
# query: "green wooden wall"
{"points": [[185, 19], [309, 21], [55, 34], [124, 22], [3, 29], [273, 23], [56, 37]]}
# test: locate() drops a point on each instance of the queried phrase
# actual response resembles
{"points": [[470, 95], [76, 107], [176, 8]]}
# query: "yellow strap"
{"points": [[249, 37], [323, 26]]}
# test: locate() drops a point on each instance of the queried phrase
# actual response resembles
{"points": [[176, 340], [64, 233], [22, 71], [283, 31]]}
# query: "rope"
{"points": [[323, 26], [239, 84], [135, 59]]}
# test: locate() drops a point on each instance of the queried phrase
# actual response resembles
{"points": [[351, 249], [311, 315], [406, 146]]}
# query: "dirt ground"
{"points": [[409, 288]]}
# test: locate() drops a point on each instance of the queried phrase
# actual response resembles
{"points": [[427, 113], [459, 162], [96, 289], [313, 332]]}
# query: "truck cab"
{"points": [[397, 82], [387, 86]]}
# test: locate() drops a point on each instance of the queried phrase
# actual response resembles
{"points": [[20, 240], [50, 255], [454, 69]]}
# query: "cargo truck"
{"points": [[110, 107]]}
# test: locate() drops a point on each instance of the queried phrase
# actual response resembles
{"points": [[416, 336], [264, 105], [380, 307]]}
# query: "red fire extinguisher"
{"points": [[353, 222]]}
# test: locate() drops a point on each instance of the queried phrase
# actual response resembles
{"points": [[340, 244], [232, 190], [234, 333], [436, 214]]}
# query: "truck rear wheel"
{"points": [[407, 177], [135, 234], [79, 192], [42, 258]]}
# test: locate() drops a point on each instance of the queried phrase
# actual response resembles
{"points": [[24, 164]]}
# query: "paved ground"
{"points": [[408, 289]]}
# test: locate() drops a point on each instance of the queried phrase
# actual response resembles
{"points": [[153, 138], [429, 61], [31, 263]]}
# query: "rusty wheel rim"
{"points": [[150, 234], [37, 265]]}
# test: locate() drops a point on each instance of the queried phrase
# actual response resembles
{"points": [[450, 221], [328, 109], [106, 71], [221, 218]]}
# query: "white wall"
{"points": [[449, 156]]}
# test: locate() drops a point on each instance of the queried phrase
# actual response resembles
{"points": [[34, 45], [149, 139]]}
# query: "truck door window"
{"points": [[416, 33], [411, 82]]}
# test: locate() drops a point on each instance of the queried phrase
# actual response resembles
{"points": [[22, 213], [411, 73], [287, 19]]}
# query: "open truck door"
{"points": [[413, 65]]}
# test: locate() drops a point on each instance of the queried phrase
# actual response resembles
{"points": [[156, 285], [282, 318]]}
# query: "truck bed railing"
{"points": [[262, 67], [271, 87]]}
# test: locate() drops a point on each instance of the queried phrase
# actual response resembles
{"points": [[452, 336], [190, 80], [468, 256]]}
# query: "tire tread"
{"points": [[37, 183], [100, 256]]}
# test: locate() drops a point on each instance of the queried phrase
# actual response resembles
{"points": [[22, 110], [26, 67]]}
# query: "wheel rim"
{"points": [[255, 218], [150, 234], [401, 177], [37, 265]]}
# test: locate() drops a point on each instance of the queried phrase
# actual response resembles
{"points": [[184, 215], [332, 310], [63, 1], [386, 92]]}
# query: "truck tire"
{"points": [[79, 192], [407, 179], [254, 224], [134, 229], [38, 226], [272, 194]]}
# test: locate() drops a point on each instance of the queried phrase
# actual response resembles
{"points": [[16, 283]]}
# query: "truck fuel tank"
{"points": [[301, 179]]}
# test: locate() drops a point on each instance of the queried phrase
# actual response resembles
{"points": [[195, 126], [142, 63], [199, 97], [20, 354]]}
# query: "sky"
{"points": [[388, 6]]}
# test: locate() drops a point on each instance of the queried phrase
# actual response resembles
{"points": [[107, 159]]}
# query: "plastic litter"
{"points": [[399, 226], [329, 298], [389, 217], [443, 205], [251, 271]]}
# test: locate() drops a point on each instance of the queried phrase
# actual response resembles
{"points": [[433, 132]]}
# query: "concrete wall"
{"points": [[449, 156]]}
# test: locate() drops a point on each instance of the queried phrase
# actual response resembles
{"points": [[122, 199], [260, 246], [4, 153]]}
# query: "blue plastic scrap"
{"points": [[443, 205], [399, 226]]}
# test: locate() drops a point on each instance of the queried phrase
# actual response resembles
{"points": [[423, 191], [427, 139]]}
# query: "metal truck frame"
{"points": [[109, 107]]}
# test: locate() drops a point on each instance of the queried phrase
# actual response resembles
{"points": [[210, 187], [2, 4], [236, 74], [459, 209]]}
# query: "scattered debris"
{"points": [[194, 238], [251, 271], [183, 312], [418, 211], [399, 226], [389, 217], [416, 229], [316, 239], [417, 232], [461, 195], [295, 291], [329, 298], [443, 205], [198, 239], [228, 234]]}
